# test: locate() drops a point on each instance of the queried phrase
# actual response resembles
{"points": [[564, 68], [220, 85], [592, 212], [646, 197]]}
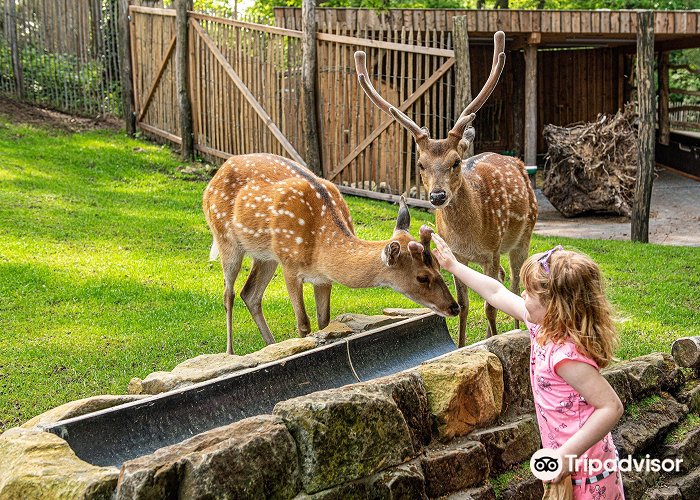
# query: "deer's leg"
{"points": [[231, 259], [295, 289], [322, 295], [491, 268], [260, 275], [517, 257], [463, 301]]}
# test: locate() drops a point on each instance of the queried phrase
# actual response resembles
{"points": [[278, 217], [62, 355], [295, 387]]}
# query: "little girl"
{"points": [[572, 337]]}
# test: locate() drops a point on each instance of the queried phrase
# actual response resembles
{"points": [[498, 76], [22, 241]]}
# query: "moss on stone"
{"points": [[690, 422], [518, 473]]}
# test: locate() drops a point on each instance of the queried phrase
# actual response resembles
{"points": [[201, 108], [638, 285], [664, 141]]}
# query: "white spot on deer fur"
{"points": [[318, 195], [299, 240], [302, 222], [239, 225]]}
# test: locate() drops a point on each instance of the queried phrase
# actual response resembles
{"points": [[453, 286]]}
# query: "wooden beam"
{"points": [[463, 74], [664, 125], [646, 104], [126, 76], [161, 70], [274, 30], [181, 71], [388, 121], [364, 42], [413, 202], [248, 94], [160, 132], [684, 92], [308, 84], [530, 105]]}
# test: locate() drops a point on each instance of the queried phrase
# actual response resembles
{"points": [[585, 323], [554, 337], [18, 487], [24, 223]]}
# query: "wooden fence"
{"points": [[62, 54]]}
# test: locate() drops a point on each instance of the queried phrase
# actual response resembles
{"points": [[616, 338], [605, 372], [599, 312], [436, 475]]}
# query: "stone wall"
{"points": [[461, 426]]}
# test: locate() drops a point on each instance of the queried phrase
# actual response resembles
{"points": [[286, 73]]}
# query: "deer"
{"points": [[485, 205], [280, 213]]}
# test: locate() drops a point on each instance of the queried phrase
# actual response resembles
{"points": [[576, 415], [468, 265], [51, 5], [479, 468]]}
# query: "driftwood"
{"points": [[591, 167]]}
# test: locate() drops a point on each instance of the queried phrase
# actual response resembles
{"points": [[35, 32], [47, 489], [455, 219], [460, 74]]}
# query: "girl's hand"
{"points": [[565, 471], [443, 254]]}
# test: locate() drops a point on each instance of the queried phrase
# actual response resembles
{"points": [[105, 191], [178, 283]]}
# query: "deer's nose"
{"points": [[454, 309], [437, 198]]}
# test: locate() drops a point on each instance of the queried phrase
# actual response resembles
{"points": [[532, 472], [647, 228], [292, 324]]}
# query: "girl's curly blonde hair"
{"points": [[571, 288]]}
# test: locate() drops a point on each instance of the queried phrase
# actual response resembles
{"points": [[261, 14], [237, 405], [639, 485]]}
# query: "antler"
{"points": [[363, 77], [499, 60]]}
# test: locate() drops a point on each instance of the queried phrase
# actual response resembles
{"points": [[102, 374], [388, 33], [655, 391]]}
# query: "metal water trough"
{"points": [[121, 433]]}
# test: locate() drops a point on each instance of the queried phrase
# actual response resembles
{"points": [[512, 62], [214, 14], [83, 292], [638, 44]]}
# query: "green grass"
{"points": [[104, 273]]}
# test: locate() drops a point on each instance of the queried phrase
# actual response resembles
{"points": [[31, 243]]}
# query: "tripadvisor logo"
{"points": [[545, 464]]}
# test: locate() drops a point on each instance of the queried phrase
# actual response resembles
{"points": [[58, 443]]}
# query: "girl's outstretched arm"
{"points": [[491, 290]]}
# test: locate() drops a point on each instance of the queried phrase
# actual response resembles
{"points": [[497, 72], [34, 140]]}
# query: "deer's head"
{"points": [[412, 270], [440, 160]]}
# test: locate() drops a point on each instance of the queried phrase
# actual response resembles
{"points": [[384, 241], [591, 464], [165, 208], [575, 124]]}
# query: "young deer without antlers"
{"points": [[278, 212], [485, 204]]}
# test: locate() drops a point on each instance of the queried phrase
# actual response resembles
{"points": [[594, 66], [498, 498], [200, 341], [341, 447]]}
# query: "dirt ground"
{"points": [[675, 203], [20, 112]]}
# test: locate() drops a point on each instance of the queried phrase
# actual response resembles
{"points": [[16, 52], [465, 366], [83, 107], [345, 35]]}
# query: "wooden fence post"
{"points": [[463, 74], [530, 104], [182, 70], [664, 122], [308, 76], [11, 30], [126, 69], [646, 103]]}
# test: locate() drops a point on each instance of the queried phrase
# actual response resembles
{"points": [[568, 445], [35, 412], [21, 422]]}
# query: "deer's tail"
{"points": [[214, 252]]}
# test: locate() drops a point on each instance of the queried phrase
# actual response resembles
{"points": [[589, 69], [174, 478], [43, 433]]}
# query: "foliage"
{"points": [[104, 273]]}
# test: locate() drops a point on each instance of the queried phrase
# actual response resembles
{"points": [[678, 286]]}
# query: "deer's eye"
{"points": [[422, 279], [457, 164], [420, 165]]}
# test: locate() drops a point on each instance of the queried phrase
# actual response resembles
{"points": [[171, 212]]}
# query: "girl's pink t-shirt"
{"points": [[561, 411]]}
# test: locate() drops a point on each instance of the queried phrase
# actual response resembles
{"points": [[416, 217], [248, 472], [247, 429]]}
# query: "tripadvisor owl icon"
{"points": [[545, 464]]}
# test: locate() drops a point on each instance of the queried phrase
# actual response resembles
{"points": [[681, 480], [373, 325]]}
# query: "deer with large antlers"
{"points": [[485, 204], [279, 212]]}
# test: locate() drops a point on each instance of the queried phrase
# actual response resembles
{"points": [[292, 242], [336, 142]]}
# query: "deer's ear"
{"points": [[391, 252], [467, 139]]}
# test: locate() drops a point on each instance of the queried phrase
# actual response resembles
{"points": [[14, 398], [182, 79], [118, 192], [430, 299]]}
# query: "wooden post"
{"points": [[686, 352], [125, 68], [463, 73], [11, 30], [312, 154], [530, 104], [518, 72], [182, 70], [646, 104], [664, 122]]}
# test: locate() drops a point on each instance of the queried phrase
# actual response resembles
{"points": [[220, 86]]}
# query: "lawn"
{"points": [[104, 273]]}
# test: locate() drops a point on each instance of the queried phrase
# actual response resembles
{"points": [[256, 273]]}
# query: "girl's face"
{"points": [[535, 309]]}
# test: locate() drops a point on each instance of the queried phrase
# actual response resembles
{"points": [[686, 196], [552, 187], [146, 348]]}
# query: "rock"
{"points": [[509, 444], [253, 458], [36, 465], [406, 313], [690, 396], [465, 390], [686, 445], [78, 408], [620, 383], [362, 322], [190, 372], [334, 331], [403, 482], [453, 467], [663, 493], [409, 394], [645, 421], [637, 483], [345, 434], [689, 485], [484, 492], [526, 489], [284, 349], [513, 350], [210, 366], [646, 375]]}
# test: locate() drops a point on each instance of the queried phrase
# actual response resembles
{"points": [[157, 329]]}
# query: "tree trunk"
{"points": [[531, 104], [308, 76], [646, 102], [125, 68], [664, 122], [463, 78], [182, 58], [686, 352]]}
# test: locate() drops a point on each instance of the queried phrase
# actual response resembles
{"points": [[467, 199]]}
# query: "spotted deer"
{"points": [[278, 212], [485, 204]]}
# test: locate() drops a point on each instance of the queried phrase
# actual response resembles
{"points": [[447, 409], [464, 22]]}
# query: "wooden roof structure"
{"points": [[547, 28]]}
